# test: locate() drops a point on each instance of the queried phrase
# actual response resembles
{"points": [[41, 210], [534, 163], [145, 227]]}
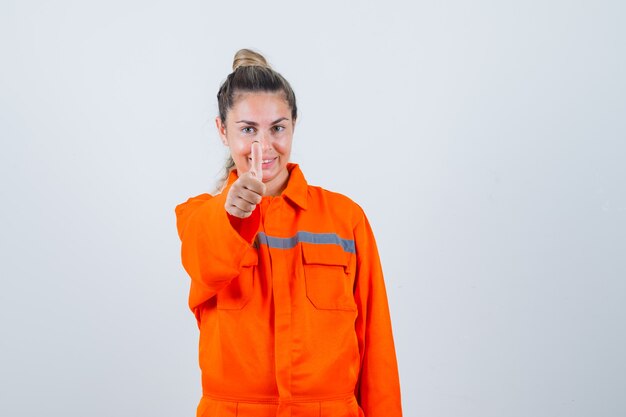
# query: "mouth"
{"points": [[265, 162]]}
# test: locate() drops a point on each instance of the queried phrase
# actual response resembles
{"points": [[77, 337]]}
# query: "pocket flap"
{"points": [[325, 255]]}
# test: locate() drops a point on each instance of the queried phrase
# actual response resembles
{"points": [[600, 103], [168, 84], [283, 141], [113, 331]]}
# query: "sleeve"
{"points": [[378, 389], [213, 245]]}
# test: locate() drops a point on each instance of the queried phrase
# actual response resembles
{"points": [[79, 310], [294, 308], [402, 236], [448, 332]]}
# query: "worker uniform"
{"points": [[291, 306]]}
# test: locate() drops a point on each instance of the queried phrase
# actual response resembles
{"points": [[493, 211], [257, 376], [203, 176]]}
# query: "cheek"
{"points": [[239, 148], [283, 144]]}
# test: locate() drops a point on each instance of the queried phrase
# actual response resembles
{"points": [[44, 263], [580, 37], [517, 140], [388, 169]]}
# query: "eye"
{"points": [[247, 130], [279, 128]]}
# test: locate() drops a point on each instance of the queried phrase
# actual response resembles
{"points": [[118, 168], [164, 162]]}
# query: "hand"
{"points": [[247, 191]]}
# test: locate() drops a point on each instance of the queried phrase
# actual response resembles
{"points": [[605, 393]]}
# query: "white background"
{"points": [[485, 140]]}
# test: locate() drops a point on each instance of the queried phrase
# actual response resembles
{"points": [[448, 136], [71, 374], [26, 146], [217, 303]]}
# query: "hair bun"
{"points": [[249, 58]]}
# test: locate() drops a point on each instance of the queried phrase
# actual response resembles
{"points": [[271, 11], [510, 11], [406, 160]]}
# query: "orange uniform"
{"points": [[291, 306]]}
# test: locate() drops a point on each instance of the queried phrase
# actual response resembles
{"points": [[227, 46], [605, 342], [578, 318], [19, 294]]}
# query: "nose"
{"points": [[265, 141]]}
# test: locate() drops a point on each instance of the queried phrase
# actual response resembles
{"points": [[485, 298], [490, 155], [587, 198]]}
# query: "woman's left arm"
{"points": [[378, 390]]}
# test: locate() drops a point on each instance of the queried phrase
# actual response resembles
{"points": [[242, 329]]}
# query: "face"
{"points": [[264, 117]]}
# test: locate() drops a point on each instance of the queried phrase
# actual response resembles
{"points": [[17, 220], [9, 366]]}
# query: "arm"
{"points": [[213, 244], [378, 389]]}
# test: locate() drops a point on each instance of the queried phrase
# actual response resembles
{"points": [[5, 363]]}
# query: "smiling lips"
{"points": [[265, 161]]}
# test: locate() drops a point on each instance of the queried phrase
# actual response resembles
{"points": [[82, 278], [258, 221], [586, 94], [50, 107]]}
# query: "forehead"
{"points": [[260, 106]]}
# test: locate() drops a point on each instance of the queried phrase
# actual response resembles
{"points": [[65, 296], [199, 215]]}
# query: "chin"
{"points": [[269, 176]]}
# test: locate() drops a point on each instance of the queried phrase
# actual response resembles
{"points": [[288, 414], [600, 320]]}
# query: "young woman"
{"points": [[286, 282]]}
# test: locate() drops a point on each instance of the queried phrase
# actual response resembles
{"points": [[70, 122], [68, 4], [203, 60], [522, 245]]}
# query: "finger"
{"points": [[251, 197], [244, 205], [234, 211], [252, 183], [257, 160]]}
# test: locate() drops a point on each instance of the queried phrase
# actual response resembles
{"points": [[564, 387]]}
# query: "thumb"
{"points": [[257, 161]]}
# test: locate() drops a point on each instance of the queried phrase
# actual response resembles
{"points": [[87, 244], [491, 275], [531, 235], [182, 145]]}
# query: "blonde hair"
{"points": [[249, 58], [251, 72]]}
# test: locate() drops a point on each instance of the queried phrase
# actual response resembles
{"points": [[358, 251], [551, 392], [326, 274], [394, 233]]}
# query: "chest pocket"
{"points": [[328, 276], [237, 294]]}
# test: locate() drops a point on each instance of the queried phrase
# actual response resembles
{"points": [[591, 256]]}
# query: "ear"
{"points": [[221, 130]]}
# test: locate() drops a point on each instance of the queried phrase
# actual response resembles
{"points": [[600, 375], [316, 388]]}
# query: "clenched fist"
{"points": [[248, 190]]}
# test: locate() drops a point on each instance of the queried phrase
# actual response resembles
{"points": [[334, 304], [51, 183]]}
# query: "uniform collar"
{"points": [[296, 190]]}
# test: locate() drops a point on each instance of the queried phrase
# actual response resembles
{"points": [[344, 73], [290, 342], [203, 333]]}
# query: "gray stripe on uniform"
{"points": [[305, 237]]}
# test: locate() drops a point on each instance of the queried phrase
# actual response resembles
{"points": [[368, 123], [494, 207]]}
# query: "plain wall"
{"points": [[485, 141]]}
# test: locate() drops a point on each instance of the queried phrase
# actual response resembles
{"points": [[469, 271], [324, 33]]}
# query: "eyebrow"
{"points": [[249, 122]]}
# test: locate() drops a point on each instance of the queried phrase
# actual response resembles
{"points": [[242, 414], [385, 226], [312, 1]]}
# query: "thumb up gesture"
{"points": [[247, 191]]}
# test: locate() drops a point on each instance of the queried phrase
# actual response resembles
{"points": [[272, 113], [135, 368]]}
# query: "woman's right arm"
{"points": [[214, 244]]}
